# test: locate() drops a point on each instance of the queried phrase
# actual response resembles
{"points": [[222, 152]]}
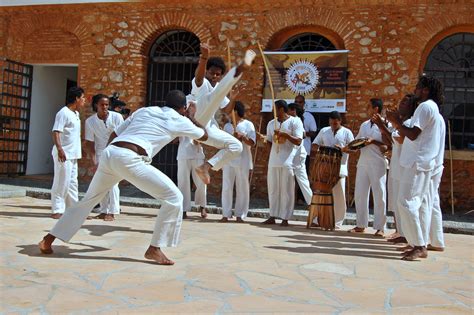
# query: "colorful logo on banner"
{"points": [[302, 77], [320, 76]]}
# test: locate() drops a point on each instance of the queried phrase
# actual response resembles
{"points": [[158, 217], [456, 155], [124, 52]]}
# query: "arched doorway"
{"points": [[173, 59], [452, 61], [310, 42]]}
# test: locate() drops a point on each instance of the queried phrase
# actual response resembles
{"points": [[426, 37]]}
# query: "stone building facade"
{"points": [[389, 41]]}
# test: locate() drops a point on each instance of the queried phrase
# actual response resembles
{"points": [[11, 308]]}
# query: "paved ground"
{"points": [[245, 268]]}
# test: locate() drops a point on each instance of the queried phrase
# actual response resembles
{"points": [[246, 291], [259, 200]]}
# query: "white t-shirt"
{"points": [[154, 127], [309, 125], [68, 123], [439, 160], [99, 131], [370, 155], [343, 136], [395, 169], [282, 154], [246, 128], [205, 88], [421, 153], [188, 150]]}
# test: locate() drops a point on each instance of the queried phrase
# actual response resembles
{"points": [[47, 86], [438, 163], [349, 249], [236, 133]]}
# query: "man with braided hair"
{"points": [[420, 147]]}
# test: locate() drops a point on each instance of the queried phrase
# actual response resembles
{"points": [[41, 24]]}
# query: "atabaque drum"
{"points": [[325, 169]]}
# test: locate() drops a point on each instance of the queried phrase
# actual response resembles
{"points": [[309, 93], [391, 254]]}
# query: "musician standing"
{"points": [[336, 135], [371, 174], [280, 178]]}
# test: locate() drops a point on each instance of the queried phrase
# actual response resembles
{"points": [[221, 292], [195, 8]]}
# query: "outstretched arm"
{"points": [[201, 68]]}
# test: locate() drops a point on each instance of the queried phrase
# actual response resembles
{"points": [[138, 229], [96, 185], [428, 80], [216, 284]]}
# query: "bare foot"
{"points": [[45, 244], [392, 236], [398, 240], [56, 216], [240, 220], [109, 217], [155, 253], [224, 220], [356, 230], [284, 223], [185, 215], [379, 233], [415, 253], [203, 212], [100, 216], [247, 62], [405, 248], [203, 173], [434, 248], [270, 220]]}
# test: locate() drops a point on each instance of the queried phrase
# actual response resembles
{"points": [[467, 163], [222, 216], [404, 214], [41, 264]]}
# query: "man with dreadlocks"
{"points": [[420, 148]]}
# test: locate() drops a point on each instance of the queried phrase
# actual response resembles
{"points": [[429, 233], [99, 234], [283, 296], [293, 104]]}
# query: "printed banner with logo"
{"points": [[320, 76]]}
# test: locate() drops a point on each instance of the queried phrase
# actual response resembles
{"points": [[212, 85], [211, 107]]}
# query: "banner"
{"points": [[319, 76]]}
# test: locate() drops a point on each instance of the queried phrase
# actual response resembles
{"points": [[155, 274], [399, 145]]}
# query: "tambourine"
{"points": [[357, 144]]}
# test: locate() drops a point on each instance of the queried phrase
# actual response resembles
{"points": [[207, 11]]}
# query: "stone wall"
{"points": [[388, 43]]}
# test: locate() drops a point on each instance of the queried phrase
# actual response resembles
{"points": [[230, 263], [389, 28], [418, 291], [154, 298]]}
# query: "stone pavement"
{"points": [[221, 268]]}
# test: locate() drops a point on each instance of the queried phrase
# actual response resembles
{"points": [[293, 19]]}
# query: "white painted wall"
{"points": [[48, 96]]}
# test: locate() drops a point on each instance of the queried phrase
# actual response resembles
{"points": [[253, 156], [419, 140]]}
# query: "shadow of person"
{"points": [[338, 252], [100, 230], [29, 207], [63, 251], [13, 215]]}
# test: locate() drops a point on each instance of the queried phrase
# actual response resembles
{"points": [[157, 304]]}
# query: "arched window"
{"points": [[310, 42], [452, 61], [174, 57]]}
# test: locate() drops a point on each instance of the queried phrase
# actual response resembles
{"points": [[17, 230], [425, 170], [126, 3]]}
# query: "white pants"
{"points": [[111, 202], [371, 178], [117, 164], [65, 186], [281, 192], [414, 186], [393, 187], [339, 198], [230, 147], [208, 104], [436, 235], [239, 176], [186, 168], [303, 182]]}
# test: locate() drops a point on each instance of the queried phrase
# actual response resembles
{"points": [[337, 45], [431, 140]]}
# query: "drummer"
{"points": [[336, 135], [371, 173]]}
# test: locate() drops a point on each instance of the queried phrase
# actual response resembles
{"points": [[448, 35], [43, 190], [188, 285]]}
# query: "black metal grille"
{"points": [[311, 42], [173, 59], [452, 61], [15, 102], [308, 42]]}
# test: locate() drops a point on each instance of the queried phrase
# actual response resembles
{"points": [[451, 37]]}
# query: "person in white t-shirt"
{"points": [[128, 156], [284, 143], [406, 107], [421, 146], [66, 151], [209, 92], [339, 136], [371, 174], [98, 129], [299, 162], [190, 156], [238, 170]]}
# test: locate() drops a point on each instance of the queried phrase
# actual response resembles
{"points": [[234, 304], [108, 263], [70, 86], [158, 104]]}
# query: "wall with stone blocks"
{"points": [[388, 42]]}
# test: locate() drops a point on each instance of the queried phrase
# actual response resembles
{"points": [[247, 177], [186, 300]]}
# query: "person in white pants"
{"points": [[434, 230], [209, 92], [190, 156], [418, 159], [339, 136], [134, 143], [98, 129], [284, 141], [371, 174], [66, 151], [238, 170], [310, 132], [406, 107], [299, 162]]}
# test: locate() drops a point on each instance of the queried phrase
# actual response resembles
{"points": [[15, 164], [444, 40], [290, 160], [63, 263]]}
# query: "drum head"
{"points": [[357, 144]]}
